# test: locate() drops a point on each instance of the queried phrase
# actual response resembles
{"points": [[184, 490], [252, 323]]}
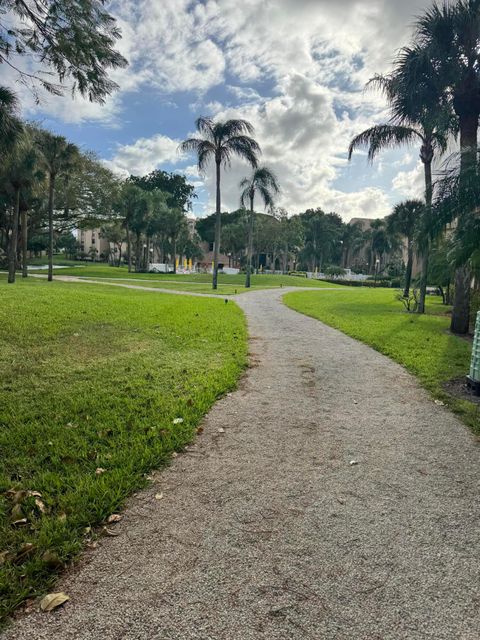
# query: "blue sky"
{"points": [[295, 68]]}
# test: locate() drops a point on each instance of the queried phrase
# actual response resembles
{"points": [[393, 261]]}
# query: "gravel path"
{"points": [[266, 529]]}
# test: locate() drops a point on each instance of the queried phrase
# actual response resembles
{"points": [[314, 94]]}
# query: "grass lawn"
{"points": [[92, 381], [422, 344], [191, 282]]}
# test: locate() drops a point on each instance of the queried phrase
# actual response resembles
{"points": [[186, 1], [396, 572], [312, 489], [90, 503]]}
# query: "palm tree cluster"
{"points": [[433, 93], [48, 188]]}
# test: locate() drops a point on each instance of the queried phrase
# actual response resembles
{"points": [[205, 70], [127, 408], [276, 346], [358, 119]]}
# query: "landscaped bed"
{"points": [[423, 344], [98, 386]]}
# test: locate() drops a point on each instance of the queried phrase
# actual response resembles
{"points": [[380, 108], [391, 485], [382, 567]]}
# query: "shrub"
{"points": [[360, 283]]}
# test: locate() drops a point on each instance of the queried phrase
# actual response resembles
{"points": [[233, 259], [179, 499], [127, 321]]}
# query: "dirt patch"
{"points": [[459, 389]]}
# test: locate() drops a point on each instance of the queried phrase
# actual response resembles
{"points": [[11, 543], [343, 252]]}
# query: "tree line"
{"points": [[433, 93]]}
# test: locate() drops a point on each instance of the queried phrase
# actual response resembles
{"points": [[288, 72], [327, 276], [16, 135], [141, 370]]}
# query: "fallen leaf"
{"points": [[35, 494], [158, 496], [52, 560], [40, 505], [199, 430], [109, 532], [19, 496], [341, 500], [352, 463], [221, 430], [99, 471], [178, 421], [24, 552], [440, 403], [53, 600], [115, 517], [17, 512], [174, 454], [19, 523], [5, 556]]}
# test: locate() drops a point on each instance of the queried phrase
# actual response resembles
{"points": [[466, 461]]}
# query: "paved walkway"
{"points": [[268, 530]]}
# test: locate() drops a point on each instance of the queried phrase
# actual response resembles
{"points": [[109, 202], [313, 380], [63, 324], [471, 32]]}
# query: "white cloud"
{"points": [[410, 184], [144, 155]]}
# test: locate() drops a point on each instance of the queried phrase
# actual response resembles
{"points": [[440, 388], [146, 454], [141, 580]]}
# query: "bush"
{"points": [[360, 283]]}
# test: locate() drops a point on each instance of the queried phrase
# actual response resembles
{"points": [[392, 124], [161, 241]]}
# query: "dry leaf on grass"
{"points": [[52, 560], [115, 517], [178, 421], [99, 471], [40, 505], [158, 496], [53, 600]]}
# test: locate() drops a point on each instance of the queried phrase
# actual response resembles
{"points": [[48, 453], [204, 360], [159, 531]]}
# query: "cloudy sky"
{"points": [[295, 68]]}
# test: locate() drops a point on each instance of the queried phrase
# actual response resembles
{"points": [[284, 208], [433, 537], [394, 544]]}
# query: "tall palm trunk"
{"points": [[409, 269], [24, 242], [138, 253], [461, 301], [12, 254], [250, 244], [218, 224], [51, 194], [174, 246], [426, 250], [129, 250]]}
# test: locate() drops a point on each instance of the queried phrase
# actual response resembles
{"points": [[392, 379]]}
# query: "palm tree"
{"points": [[351, 237], [265, 183], [10, 125], [448, 40], [221, 141], [404, 221], [417, 115], [58, 156]]}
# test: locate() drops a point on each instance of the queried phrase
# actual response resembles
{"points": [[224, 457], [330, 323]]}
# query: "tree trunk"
{"points": [[461, 300], [51, 194], [218, 225], [248, 283], [12, 254], [24, 244], [426, 250], [408, 272], [174, 245], [138, 253], [129, 250]]}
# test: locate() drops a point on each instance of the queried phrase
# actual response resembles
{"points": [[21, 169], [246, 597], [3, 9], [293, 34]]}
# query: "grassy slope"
{"points": [[193, 282], [93, 377], [421, 343]]}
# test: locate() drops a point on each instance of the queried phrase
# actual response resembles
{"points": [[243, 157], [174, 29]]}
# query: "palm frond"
{"points": [[232, 128], [242, 146], [204, 125], [385, 136]]}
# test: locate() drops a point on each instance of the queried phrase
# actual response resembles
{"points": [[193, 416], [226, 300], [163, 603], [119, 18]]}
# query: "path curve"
{"points": [[267, 530]]}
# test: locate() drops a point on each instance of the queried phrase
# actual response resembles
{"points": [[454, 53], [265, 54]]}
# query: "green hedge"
{"points": [[363, 283]]}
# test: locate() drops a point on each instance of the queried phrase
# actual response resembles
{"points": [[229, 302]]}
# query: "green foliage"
{"points": [[74, 38], [179, 193], [421, 343], [94, 379]]}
